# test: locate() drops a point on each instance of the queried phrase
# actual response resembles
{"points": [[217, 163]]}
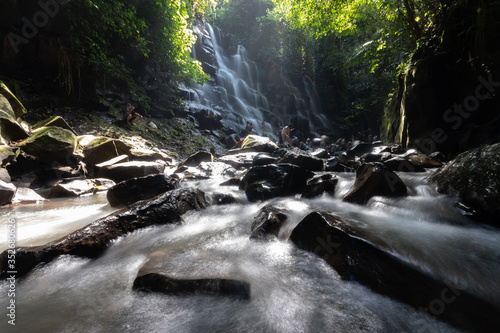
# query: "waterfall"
{"points": [[235, 91]]}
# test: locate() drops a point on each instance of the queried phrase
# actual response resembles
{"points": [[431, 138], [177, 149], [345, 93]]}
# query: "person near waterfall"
{"points": [[129, 115], [285, 135]]}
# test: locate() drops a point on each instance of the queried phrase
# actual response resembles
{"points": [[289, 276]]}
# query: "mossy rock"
{"points": [[16, 106], [98, 149], [10, 129], [55, 121], [7, 154], [52, 143]]}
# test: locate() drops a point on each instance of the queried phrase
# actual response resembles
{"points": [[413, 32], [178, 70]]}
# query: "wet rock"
{"points": [[347, 249], [128, 170], [375, 157], [424, 161], [156, 282], [373, 179], [263, 159], [55, 121], [474, 177], [334, 164], [362, 148], [223, 199], [267, 223], [318, 185], [320, 153], [7, 192], [402, 164], [302, 159], [76, 188], [198, 157], [26, 195], [93, 239], [239, 161], [208, 120], [115, 160], [276, 180], [136, 189], [50, 144]]}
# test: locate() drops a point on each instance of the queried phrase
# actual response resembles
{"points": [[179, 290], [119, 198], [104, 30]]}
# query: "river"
{"points": [[291, 290]]}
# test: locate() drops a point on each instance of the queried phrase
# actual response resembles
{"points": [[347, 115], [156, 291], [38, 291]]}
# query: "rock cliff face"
{"points": [[448, 98]]}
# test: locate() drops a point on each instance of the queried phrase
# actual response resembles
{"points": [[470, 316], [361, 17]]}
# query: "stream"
{"points": [[291, 290]]}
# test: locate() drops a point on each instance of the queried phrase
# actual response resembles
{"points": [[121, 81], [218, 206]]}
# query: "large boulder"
{"points": [[136, 189], [7, 192], [240, 160], [79, 187], [92, 240], [128, 170], [354, 256], [268, 222], [26, 195], [195, 159], [373, 179], [98, 149], [50, 144], [157, 282], [276, 180], [474, 177], [319, 185], [7, 154], [301, 158]]}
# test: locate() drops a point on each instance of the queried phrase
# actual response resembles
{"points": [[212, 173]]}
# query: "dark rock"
{"points": [[355, 257], [93, 239], [155, 282], [277, 180], [424, 161], [373, 179], [136, 189], [263, 159], [361, 149], [320, 153], [7, 192], [318, 185], [198, 157], [302, 159], [334, 164], [127, 170], [268, 222], [402, 164], [374, 157], [223, 199], [235, 181], [208, 120], [474, 177]]}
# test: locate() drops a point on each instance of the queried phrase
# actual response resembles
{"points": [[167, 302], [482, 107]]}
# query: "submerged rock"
{"points": [[355, 257], [268, 222], [474, 177], [136, 189], [373, 179], [276, 180], [302, 159], [157, 282], [92, 240]]}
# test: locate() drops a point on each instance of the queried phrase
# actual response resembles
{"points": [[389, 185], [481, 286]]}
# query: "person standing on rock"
{"points": [[129, 115], [285, 135]]}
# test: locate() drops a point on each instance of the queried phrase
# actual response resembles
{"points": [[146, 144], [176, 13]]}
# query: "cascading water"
{"points": [[236, 93], [291, 290]]}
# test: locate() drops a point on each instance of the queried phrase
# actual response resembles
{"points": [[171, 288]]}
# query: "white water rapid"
{"points": [[291, 290]]}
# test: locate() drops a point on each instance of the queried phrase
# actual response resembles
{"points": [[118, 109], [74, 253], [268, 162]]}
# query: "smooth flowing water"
{"points": [[291, 290]]}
